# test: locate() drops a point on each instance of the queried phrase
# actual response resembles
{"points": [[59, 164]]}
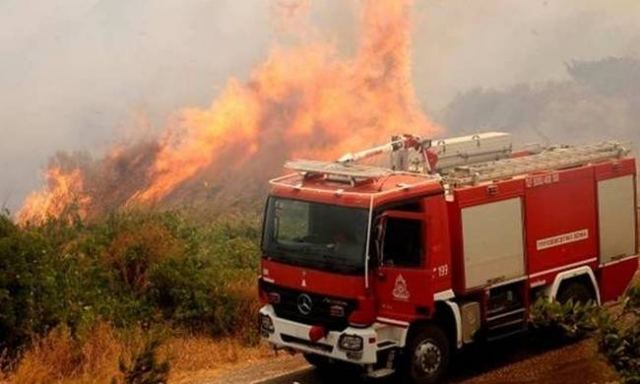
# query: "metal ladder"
{"points": [[554, 158]]}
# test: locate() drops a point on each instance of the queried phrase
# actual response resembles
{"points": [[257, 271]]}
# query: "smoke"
{"points": [[78, 74], [600, 101], [461, 45]]}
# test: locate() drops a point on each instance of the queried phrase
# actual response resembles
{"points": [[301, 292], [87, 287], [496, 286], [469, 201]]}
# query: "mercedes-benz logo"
{"points": [[305, 304]]}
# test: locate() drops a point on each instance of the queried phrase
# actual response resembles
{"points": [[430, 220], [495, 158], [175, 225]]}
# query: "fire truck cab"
{"points": [[394, 268]]}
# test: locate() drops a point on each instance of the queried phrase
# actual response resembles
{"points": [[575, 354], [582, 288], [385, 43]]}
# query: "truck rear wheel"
{"points": [[426, 357], [576, 291]]}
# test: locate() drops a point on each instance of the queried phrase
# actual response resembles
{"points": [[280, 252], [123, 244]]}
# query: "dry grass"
{"points": [[196, 358], [61, 358]]}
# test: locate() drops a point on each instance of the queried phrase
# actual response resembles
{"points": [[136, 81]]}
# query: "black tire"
{"points": [[576, 290], [426, 358], [330, 368], [322, 363]]}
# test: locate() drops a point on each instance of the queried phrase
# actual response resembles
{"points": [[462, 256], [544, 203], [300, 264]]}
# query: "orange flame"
{"points": [[327, 105], [64, 190], [304, 100]]}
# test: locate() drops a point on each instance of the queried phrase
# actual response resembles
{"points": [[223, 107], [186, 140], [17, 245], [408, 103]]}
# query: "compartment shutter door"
{"points": [[616, 209], [493, 242]]}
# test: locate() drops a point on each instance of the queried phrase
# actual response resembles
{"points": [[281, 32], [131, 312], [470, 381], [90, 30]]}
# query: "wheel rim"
{"points": [[427, 358]]}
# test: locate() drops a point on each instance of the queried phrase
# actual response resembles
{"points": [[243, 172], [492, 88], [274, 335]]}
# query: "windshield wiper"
{"points": [[320, 255], [339, 262]]}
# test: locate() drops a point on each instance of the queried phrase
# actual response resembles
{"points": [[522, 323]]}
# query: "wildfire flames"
{"points": [[64, 191], [303, 101]]}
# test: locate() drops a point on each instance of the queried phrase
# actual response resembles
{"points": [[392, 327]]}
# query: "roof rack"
{"points": [[342, 172], [553, 158]]}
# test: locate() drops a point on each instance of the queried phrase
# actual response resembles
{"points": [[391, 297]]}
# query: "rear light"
{"points": [[353, 343], [266, 325]]}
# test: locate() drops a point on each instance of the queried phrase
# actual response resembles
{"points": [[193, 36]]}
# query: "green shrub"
{"points": [[617, 330], [29, 299], [574, 320], [133, 268], [619, 338]]}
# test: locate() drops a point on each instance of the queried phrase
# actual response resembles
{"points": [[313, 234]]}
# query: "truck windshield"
{"points": [[315, 235]]}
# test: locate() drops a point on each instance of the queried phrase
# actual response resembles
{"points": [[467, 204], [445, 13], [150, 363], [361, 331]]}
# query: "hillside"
{"points": [[601, 100]]}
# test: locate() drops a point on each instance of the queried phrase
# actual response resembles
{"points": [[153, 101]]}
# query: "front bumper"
{"points": [[292, 335]]}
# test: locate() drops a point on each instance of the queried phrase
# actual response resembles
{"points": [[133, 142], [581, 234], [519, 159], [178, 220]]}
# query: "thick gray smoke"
{"points": [[78, 74]]}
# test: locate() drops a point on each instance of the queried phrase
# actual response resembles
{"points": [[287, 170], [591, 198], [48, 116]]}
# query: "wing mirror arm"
{"points": [[381, 228]]}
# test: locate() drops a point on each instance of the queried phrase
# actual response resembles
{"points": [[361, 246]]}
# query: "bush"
{"points": [[29, 299], [135, 268], [619, 338], [617, 330], [134, 251], [574, 320]]}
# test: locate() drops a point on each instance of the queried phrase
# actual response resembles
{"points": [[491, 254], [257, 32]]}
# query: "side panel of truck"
{"points": [[561, 220], [579, 217]]}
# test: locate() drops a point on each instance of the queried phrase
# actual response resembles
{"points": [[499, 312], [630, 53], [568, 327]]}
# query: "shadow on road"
{"points": [[480, 360]]}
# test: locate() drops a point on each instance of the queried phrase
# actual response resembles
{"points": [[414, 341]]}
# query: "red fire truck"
{"points": [[395, 267]]}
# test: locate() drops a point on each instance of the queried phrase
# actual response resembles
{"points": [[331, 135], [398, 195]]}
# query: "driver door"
{"points": [[403, 279]]}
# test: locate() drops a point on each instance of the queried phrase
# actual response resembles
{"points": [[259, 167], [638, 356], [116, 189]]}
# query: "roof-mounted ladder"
{"points": [[554, 158]]}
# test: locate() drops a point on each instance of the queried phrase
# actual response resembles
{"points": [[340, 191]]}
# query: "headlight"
{"points": [[350, 343], [266, 325]]}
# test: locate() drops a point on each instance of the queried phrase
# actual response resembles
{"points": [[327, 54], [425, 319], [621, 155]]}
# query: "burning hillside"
{"points": [[304, 100]]}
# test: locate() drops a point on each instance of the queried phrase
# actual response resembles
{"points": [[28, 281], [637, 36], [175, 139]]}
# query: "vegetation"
{"points": [[619, 338], [617, 330], [574, 320], [146, 369], [132, 271]]}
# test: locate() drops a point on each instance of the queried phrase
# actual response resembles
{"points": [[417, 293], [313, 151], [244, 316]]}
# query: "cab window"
{"points": [[403, 241]]}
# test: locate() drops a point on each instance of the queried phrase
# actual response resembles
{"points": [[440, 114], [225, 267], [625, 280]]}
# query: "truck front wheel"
{"points": [[426, 357], [321, 363], [329, 367]]}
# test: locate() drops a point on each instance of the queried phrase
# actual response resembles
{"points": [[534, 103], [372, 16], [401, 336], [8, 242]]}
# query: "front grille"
{"points": [[307, 343], [321, 307]]}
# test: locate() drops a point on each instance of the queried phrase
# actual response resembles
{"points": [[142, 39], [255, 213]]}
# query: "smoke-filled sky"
{"points": [[78, 74]]}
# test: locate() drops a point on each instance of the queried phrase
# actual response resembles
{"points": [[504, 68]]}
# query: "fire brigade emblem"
{"points": [[400, 291]]}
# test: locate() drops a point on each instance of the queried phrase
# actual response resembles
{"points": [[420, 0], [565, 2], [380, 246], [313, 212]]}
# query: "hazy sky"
{"points": [[75, 73]]}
